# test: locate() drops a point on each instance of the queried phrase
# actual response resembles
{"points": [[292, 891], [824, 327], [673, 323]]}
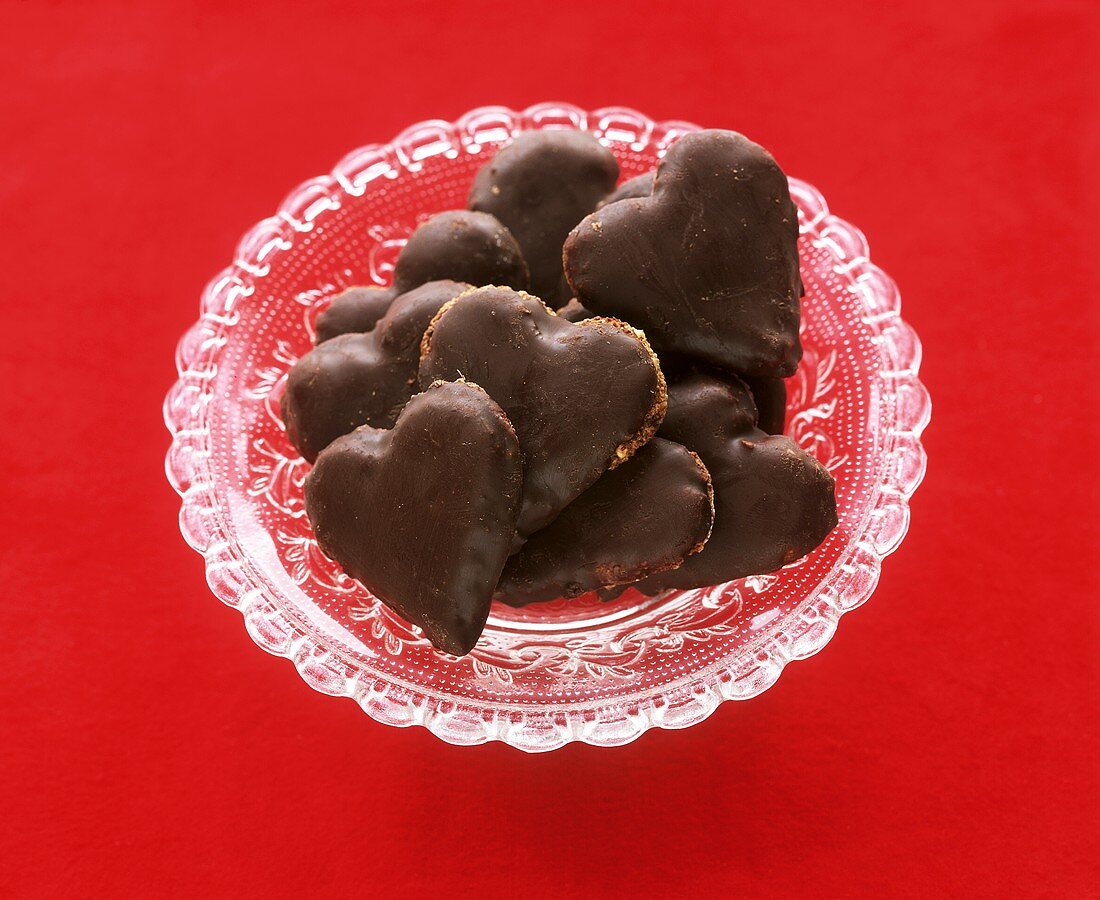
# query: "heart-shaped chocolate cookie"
{"points": [[707, 265], [423, 514], [581, 397], [540, 186], [773, 503], [457, 245], [644, 517], [361, 379]]}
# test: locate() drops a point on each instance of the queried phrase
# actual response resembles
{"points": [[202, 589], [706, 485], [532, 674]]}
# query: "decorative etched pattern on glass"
{"points": [[588, 671]]}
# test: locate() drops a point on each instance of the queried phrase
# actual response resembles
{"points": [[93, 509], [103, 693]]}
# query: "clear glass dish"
{"points": [[548, 674]]}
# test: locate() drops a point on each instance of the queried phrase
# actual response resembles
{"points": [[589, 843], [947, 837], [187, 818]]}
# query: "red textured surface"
{"points": [[945, 743]]}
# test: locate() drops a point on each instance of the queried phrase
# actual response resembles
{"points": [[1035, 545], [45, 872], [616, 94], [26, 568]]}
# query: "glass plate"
{"points": [[552, 673]]}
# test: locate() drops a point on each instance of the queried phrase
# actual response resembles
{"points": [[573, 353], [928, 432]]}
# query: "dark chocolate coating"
{"points": [[707, 265], [361, 379], [458, 245], [354, 311], [540, 186], [633, 189], [772, 502], [574, 312], [581, 397], [423, 514], [770, 396], [642, 518], [461, 245], [639, 186]]}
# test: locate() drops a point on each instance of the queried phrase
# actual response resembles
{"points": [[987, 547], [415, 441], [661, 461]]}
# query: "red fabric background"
{"points": [[945, 743]]}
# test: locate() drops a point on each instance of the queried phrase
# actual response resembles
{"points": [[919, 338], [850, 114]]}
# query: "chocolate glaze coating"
{"points": [[462, 246], [581, 397], [708, 265], [644, 517], [540, 186], [458, 245], [423, 514], [632, 189], [772, 502], [361, 379], [770, 396], [574, 312], [354, 311]]}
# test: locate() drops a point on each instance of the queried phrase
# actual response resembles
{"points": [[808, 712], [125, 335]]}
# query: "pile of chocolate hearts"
{"points": [[472, 442]]}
